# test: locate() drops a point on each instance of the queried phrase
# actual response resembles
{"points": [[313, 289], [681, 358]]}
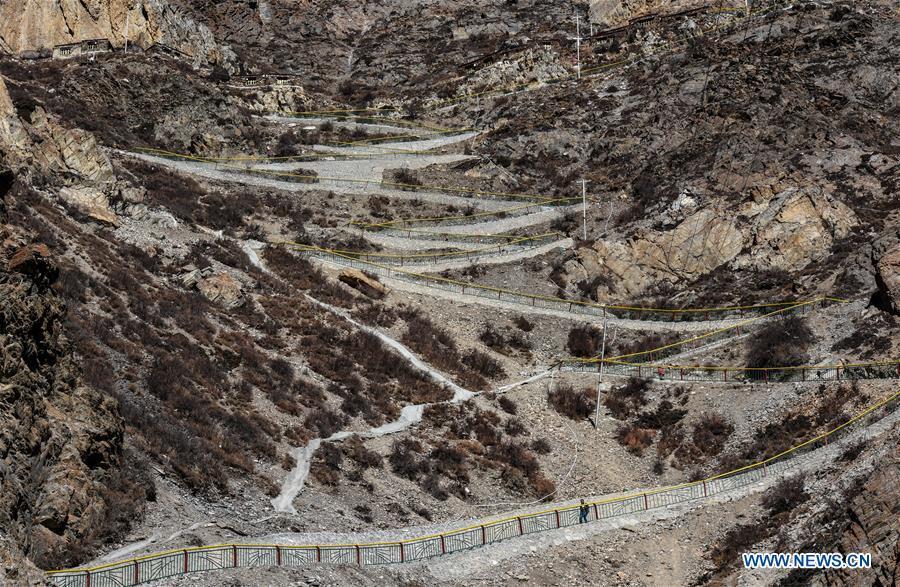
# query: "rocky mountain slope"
{"points": [[170, 375]]}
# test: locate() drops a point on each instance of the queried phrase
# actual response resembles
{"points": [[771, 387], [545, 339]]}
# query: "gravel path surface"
{"points": [[516, 253], [642, 325], [369, 169], [350, 124], [210, 171]]}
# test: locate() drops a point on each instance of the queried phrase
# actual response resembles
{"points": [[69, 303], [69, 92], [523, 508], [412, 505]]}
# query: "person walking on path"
{"points": [[583, 512]]}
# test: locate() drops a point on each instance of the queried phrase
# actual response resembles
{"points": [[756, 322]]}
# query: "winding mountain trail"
{"points": [[409, 415]]}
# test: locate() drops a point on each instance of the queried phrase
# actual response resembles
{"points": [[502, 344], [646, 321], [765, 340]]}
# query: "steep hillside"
{"points": [[365, 302]]}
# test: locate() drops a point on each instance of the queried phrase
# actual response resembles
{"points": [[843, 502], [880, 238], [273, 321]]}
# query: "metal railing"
{"points": [[851, 371], [173, 563]]}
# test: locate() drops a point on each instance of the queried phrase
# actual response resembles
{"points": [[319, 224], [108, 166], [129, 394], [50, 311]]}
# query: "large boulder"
{"points": [[222, 289], [888, 277], [362, 282], [90, 201]]}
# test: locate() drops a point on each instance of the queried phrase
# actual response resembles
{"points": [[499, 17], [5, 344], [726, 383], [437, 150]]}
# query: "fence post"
{"points": [[705, 494], [318, 554], [87, 579], [277, 555], [483, 535], [682, 374], [402, 554], [557, 517], [838, 373], [358, 557], [596, 513], [443, 546], [521, 530], [185, 561], [234, 556], [726, 374], [646, 502]]}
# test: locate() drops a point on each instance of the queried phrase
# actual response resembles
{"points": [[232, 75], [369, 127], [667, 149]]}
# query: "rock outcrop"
{"points": [[794, 228], [367, 285], [70, 158], [874, 528], [33, 25], [59, 439], [223, 289], [888, 277]]}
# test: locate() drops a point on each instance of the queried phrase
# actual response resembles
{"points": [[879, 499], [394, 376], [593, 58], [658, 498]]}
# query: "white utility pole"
{"points": [[600, 378], [584, 208], [578, 42], [127, 23]]}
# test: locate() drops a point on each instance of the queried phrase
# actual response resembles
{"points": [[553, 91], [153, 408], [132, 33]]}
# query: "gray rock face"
{"points": [[888, 276], [35, 24], [59, 439]]}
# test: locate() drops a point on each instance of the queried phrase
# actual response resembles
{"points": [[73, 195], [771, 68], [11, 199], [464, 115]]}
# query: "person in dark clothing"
{"points": [[583, 512]]}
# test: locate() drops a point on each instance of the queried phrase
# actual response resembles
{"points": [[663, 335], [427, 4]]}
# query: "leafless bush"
{"points": [[584, 341], [786, 495], [624, 401], [503, 341], [711, 432], [635, 439], [780, 343], [572, 403], [405, 460], [523, 324], [664, 415], [484, 364], [406, 177], [507, 405], [541, 446]]}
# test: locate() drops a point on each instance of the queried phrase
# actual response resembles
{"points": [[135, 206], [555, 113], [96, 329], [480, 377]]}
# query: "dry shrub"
{"points": [[663, 416], [786, 495], [783, 342], [541, 446], [635, 439], [523, 324], [405, 459], [507, 405], [624, 401], [585, 340], [359, 454], [542, 487], [736, 541], [572, 403], [711, 432], [483, 364], [503, 341]]}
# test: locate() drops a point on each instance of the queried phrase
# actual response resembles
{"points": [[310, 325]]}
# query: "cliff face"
{"points": [[874, 528], [36, 24], [60, 441]]}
